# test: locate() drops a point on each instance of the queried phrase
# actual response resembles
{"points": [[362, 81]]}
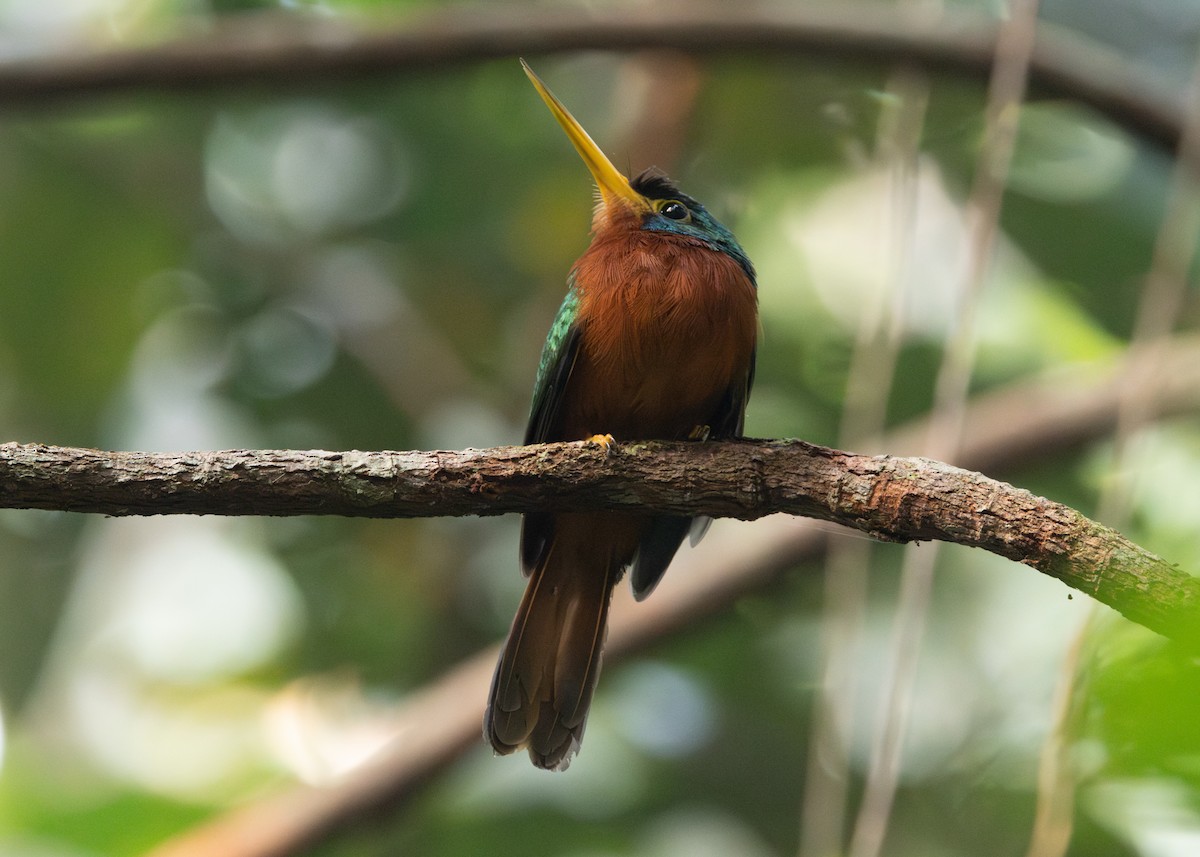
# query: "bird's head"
{"points": [[651, 201]]}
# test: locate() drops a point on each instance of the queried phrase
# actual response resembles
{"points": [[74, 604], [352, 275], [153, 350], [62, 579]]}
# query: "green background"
{"points": [[372, 263]]}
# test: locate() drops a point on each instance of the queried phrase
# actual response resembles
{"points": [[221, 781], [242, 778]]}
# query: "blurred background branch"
{"points": [[278, 50]]}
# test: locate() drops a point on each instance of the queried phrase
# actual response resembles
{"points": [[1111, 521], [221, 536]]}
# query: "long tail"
{"points": [[547, 672]]}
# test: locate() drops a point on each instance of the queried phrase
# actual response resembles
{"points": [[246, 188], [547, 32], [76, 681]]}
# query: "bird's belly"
{"points": [[662, 340], [683, 396], [660, 386]]}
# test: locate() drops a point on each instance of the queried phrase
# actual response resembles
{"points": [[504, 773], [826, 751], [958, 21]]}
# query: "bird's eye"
{"points": [[675, 210]]}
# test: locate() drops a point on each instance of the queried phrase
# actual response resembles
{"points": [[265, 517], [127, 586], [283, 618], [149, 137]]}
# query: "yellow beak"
{"points": [[613, 186]]}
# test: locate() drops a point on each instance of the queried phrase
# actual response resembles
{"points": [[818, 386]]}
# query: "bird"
{"points": [[655, 340]]}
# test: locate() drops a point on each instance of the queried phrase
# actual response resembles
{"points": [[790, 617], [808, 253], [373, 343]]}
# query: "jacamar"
{"points": [[655, 339]]}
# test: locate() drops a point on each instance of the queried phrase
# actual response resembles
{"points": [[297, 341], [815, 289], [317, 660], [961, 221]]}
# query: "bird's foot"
{"points": [[605, 440], [700, 433]]}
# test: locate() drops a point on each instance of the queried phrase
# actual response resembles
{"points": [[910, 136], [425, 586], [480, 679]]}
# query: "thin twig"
{"points": [[869, 384], [1161, 298], [1014, 52]]}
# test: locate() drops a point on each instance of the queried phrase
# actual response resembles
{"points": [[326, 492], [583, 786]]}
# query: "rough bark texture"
{"points": [[897, 499]]}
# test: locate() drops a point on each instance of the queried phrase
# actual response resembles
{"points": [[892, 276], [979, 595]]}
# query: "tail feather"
{"points": [[547, 671]]}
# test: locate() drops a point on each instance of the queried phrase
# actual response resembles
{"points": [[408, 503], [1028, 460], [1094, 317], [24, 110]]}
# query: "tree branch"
{"points": [[288, 50], [1026, 422], [897, 499]]}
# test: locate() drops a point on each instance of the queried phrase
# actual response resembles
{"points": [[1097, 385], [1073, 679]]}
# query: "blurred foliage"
{"points": [[373, 264]]}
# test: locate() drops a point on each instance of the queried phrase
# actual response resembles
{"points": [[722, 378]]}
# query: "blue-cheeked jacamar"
{"points": [[655, 340]]}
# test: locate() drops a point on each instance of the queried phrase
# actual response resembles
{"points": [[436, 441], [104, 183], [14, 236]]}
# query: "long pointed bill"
{"points": [[613, 186]]}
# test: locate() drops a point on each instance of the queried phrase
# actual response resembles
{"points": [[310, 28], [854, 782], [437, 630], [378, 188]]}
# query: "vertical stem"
{"points": [[1014, 50], [868, 387], [1162, 297]]}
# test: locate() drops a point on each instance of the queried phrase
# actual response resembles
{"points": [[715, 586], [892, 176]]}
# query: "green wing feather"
{"points": [[558, 359], [554, 371]]}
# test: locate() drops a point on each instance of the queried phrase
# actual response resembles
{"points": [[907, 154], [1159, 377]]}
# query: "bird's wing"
{"points": [[554, 372], [730, 416]]}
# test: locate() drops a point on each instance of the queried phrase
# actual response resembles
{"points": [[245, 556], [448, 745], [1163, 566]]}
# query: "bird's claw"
{"points": [[604, 440]]}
